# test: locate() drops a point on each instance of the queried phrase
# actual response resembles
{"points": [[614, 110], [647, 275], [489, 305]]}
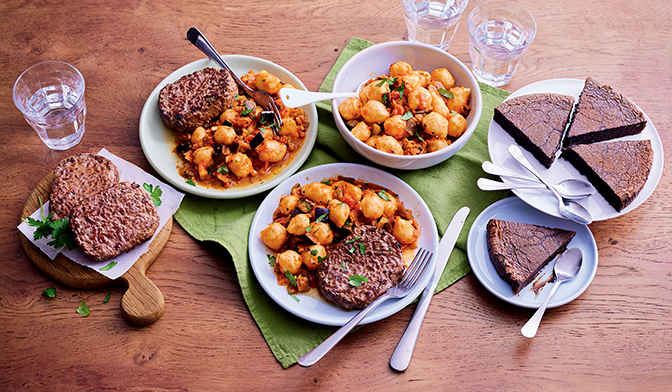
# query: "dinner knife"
{"points": [[402, 354]]}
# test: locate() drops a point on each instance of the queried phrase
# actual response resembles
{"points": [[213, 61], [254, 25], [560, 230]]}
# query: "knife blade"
{"points": [[402, 354]]}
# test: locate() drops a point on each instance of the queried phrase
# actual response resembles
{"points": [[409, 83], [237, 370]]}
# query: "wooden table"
{"points": [[616, 336]]}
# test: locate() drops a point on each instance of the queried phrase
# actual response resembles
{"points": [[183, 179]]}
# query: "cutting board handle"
{"points": [[143, 303]]}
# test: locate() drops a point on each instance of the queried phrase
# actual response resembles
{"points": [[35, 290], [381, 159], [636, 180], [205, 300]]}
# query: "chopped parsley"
{"points": [[308, 229], [353, 240], [190, 182], [49, 292], [321, 217], [154, 192], [271, 260], [107, 298], [109, 266], [223, 169], [343, 266], [407, 116], [446, 93], [291, 278], [357, 280], [383, 195], [313, 252], [321, 259], [83, 309], [295, 297]]}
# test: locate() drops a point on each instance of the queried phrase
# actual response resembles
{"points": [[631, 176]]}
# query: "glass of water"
{"points": [[500, 31], [51, 97], [433, 22]]}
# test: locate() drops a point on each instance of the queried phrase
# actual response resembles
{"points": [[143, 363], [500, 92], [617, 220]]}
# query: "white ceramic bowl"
{"points": [[376, 60]]}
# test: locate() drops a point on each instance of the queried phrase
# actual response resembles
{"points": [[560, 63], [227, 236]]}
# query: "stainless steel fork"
{"points": [[401, 289], [260, 97]]}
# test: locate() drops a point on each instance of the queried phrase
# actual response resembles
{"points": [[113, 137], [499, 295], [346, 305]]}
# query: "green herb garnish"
{"points": [[45, 228], [154, 193], [357, 280], [291, 278], [353, 240], [343, 266], [109, 266], [362, 248], [295, 297], [418, 136], [49, 292], [321, 217], [190, 182], [313, 252], [308, 229], [271, 260], [107, 298], [383, 195], [446, 93], [223, 169], [407, 116], [321, 259], [83, 309]]}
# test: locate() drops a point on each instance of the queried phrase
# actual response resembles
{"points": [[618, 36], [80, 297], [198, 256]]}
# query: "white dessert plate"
{"points": [[158, 141], [543, 200], [311, 306], [513, 209]]}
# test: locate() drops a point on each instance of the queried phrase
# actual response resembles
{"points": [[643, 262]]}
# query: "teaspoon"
{"points": [[569, 209], [568, 188], [566, 268], [571, 188]]}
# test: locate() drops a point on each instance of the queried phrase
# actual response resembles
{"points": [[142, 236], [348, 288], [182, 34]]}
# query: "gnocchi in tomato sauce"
{"points": [[409, 112], [315, 217]]}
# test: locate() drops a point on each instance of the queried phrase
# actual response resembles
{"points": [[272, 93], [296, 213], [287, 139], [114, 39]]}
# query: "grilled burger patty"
{"points": [[381, 263], [195, 99], [115, 221], [78, 177]]}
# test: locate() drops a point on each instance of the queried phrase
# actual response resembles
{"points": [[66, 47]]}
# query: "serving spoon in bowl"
{"points": [[569, 209], [293, 98], [571, 188]]}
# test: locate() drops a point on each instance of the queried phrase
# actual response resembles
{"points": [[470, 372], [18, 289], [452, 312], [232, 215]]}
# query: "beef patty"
{"points": [[195, 99], [78, 177], [115, 221], [369, 252]]}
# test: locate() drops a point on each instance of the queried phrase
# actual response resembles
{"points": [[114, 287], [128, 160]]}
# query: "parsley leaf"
{"points": [[295, 297], [154, 193], [271, 260], [45, 228], [407, 116], [357, 280], [313, 252], [308, 229], [109, 266], [353, 240], [383, 195], [107, 298], [223, 169], [321, 259], [362, 248], [321, 217], [50, 292], [291, 278], [190, 182], [343, 266], [83, 309], [446, 93]]}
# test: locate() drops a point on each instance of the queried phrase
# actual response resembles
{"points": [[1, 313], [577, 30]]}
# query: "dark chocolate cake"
{"points": [[536, 122], [519, 251], [603, 114], [618, 169]]}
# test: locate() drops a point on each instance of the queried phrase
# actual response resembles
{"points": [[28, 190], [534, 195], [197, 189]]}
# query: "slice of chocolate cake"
{"points": [[536, 122], [518, 251], [603, 114], [617, 169]]}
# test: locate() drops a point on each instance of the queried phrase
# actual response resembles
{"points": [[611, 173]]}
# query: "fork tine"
{"points": [[417, 267], [276, 112]]}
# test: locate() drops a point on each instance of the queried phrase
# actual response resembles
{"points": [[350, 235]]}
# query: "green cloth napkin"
{"points": [[445, 188]]}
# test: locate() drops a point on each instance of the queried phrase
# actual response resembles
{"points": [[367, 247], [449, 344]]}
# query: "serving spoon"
{"points": [[571, 188], [294, 98], [569, 209], [566, 268]]}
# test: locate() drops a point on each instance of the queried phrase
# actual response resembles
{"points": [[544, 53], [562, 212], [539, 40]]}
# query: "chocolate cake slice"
{"points": [[603, 114], [617, 169], [536, 122], [518, 251]]}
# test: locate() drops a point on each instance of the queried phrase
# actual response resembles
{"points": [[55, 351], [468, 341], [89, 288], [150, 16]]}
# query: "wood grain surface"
{"points": [[615, 336]]}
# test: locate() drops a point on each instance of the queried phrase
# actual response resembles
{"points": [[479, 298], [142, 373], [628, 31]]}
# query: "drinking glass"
{"points": [[433, 22], [500, 31], [51, 97]]}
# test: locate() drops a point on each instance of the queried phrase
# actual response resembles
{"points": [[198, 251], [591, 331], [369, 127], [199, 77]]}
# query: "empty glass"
{"points": [[500, 31], [51, 97]]}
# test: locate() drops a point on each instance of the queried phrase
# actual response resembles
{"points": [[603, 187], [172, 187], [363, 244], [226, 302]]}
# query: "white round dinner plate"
{"points": [[543, 200], [158, 141], [311, 306], [513, 209]]}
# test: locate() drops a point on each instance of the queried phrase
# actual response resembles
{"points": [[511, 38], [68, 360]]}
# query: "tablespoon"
{"points": [[260, 97], [568, 188], [571, 188], [566, 268], [569, 209]]}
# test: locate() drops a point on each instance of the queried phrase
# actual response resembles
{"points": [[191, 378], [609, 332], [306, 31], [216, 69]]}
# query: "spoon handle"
{"points": [[517, 154], [529, 330], [493, 169], [486, 184], [294, 98]]}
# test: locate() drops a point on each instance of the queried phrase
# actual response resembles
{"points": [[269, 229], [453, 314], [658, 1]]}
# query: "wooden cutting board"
{"points": [[141, 304]]}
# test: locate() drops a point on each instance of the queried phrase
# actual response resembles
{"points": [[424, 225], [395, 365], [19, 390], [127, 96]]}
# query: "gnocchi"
{"points": [[417, 111]]}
